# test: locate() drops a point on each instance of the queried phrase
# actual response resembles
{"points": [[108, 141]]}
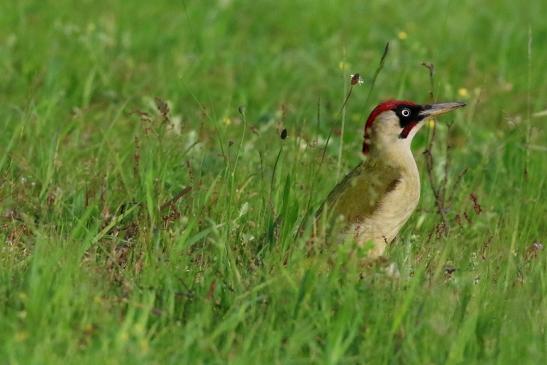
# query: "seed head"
{"points": [[356, 79]]}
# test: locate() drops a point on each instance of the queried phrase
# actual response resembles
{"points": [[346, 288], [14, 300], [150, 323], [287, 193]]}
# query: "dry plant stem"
{"points": [[313, 181], [457, 183], [438, 191], [444, 182], [431, 68], [528, 103], [176, 198], [377, 72], [343, 121], [341, 149], [346, 99]]}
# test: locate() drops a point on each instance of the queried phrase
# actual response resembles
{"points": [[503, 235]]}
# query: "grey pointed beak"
{"points": [[440, 108]]}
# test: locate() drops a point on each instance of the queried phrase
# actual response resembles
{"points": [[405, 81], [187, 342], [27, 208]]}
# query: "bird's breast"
{"points": [[375, 212], [373, 202], [391, 213]]}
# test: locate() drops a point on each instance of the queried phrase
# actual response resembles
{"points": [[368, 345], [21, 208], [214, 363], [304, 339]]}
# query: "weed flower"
{"points": [[356, 79], [463, 92], [342, 65]]}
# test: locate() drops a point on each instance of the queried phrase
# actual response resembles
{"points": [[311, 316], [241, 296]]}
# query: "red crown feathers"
{"points": [[379, 109]]}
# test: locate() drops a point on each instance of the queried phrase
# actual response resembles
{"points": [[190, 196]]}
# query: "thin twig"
{"points": [[444, 182], [308, 207], [176, 198], [377, 72], [528, 103], [439, 204], [456, 183], [438, 192], [343, 107], [342, 128], [431, 68], [312, 185]]}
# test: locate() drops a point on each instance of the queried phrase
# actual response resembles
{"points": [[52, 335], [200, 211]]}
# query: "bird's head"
{"points": [[395, 122]]}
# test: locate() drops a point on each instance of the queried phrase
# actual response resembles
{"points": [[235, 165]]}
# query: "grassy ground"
{"points": [[107, 257]]}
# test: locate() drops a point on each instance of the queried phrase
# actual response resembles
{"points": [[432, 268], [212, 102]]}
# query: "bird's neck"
{"points": [[397, 155]]}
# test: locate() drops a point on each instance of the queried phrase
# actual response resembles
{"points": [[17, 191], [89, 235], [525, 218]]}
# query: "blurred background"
{"points": [[222, 54]]}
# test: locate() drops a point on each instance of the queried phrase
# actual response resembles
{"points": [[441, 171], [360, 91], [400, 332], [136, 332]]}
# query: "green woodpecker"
{"points": [[373, 202]]}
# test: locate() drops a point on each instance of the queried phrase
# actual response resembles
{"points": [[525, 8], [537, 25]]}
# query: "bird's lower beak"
{"points": [[441, 108]]}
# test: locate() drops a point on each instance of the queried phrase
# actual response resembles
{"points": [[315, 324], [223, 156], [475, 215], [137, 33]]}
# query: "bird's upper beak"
{"points": [[440, 108]]}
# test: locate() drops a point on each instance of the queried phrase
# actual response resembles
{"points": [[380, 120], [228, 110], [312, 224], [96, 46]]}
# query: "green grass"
{"points": [[96, 267]]}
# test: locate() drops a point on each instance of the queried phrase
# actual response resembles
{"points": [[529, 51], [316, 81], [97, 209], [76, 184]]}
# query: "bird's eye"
{"points": [[405, 112]]}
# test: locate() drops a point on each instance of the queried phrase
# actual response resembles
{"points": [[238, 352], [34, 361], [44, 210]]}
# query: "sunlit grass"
{"points": [[142, 169]]}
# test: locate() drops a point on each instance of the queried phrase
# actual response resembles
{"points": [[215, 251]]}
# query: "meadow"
{"points": [[148, 148]]}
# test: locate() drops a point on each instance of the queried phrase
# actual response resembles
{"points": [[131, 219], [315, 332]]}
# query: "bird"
{"points": [[373, 201]]}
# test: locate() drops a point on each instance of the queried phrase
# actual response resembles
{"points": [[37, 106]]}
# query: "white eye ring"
{"points": [[405, 112]]}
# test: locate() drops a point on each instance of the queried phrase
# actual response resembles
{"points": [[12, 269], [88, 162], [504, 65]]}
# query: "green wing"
{"points": [[360, 192]]}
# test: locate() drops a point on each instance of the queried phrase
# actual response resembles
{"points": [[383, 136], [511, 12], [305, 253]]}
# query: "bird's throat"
{"points": [[406, 130]]}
